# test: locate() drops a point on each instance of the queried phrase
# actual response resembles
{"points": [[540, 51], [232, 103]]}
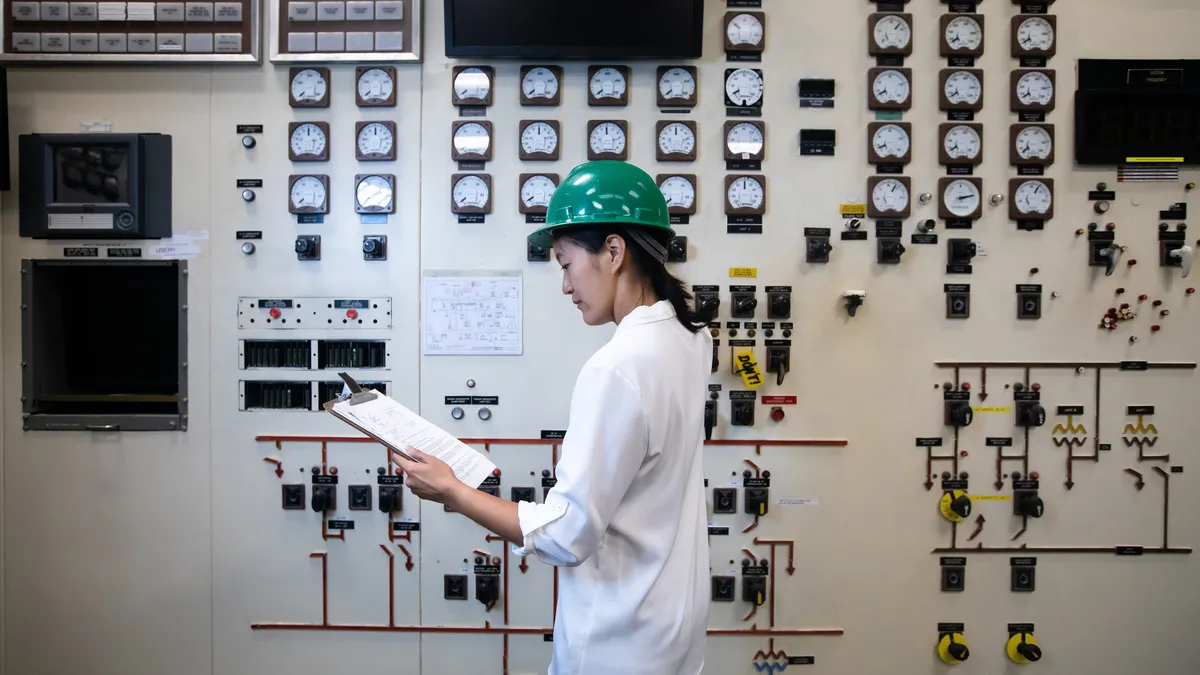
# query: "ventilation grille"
{"points": [[351, 354], [277, 354], [277, 395]]}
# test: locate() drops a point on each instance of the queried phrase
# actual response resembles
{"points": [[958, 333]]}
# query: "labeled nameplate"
{"points": [[340, 524], [929, 442]]}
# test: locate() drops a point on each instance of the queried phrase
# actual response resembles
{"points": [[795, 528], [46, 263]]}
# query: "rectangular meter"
{"points": [[95, 186]]}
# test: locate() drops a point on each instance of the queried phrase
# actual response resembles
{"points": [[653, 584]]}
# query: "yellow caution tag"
{"points": [[859, 210], [992, 410], [991, 498], [743, 272], [1153, 160], [748, 369]]}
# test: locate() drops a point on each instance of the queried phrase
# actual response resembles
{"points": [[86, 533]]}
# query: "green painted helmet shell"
{"points": [[602, 193]]}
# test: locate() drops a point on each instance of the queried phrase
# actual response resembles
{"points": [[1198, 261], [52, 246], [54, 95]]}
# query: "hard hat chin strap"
{"points": [[650, 244]]}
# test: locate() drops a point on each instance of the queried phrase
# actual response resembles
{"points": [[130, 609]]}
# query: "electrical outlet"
{"points": [[724, 500], [455, 586], [360, 497], [293, 497], [722, 589]]}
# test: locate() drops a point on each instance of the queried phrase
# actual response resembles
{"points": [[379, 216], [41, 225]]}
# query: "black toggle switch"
{"points": [[888, 251], [817, 249], [961, 251], [677, 250], [742, 413], [389, 498], [754, 590], [710, 413], [779, 361], [708, 303], [1030, 414], [374, 247], [487, 588], [323, 498], [755, 501], [959, 414], [744, 305], [308, 247], [779, 305], [1029, 651], [961, 506], [1027, 503]]}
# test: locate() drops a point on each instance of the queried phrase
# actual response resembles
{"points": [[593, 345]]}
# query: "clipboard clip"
{"points": [[353, 392]]}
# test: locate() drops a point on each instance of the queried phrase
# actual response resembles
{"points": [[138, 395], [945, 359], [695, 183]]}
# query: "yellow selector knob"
{"points": [[760, 600], [956, 505], [1023, 649], [952, 648]]}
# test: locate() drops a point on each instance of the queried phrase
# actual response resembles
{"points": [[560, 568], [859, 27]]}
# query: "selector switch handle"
{"points": [[1184, 253]]}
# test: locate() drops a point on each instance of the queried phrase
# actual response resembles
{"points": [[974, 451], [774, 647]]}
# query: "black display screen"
{"points": [[91, 174]]}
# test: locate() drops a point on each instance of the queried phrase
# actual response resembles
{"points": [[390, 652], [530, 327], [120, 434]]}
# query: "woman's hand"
{"points": [[428, 478]]}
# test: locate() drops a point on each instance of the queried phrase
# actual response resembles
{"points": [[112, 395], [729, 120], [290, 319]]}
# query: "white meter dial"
{"points": [[375, 139], [472, 84], [607, 139], [1034, 143], [308, 140], [472, 138], [744, 140], [745, 192], [891, 86], [607, 83], [1034, 197], [963, 86], [892, 32], [308, 195], [891, 140], [679, 192], [964, 33], [890, 195], [376, 86], [676, 139], [539, 84], [471, 192], [374, 194], [309, 86], [539, 138], [677, 83], [744, 29], [744, 87], [961, 198], [536, 192], [962, 142], [1035, 89], [1035, 34]]}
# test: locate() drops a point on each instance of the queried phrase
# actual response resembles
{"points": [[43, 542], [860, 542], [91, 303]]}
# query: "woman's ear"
{"points": [[614, 247]]}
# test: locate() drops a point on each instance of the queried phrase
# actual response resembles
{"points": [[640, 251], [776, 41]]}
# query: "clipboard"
{"points": [[355, 394]]}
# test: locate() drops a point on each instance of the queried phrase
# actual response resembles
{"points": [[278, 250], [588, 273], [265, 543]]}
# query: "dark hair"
{"points": [[666, 286]]}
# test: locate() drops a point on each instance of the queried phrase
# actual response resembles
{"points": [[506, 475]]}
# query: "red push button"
{"points": [[352, 313], [274, 312], [777, 414]]}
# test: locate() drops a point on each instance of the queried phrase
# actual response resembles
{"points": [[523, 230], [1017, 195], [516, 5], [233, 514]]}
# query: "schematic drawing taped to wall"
{"points": [[465, 314]]}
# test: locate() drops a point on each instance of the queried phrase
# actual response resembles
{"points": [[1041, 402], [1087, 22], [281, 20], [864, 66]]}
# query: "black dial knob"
{"points": [[746, 304], [302, 246], [781, 305], [961, 506], [678, 248], [958, 650], [1031, 652], [369, 245]]}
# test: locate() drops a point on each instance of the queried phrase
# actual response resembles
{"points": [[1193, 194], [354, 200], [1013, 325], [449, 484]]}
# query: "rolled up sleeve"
{"points": [[602, 452]]}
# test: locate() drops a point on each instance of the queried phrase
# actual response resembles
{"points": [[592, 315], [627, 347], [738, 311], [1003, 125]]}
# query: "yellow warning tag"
{"points": [[748, 369], [1153, 160], [859, 210], [991, 498], [991, 410], [743, 272]]}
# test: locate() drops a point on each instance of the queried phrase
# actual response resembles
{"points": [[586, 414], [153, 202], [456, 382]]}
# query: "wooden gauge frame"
{"points": [[487, 181], [623, 155], [874, 158], [944, 183], [388, 156], [744, 49], [322, 102], [754, 157], [489, 71], [745, 211], [304, 210], [949, 52], [1015, 101], [689, 102], [661, 156], [324, 127], [874, 103], [551, 102], [944, 103], [944, 157], [358, 178], [1018, 51], [1014, 213], [1014, 132], [389, 101], [873, 49], [622, 100], [541, 156], [535, 210], [681, 210], [471, 157], [874, 213]]}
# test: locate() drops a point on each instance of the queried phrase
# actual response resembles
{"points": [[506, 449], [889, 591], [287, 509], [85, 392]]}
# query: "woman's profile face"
{"points": [[589, 279]]}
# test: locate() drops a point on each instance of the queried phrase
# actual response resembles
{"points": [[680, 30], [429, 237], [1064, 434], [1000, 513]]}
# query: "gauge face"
{"points": [[375, 85], [961, 198], [677, 83], [1035, 34], [744, 29], [607, 83], [962, 142], [374, 193], [375, 139], [744, 140], [1035, 88], [472, 84], [539, 83], [537, 190], [890, 195], [471, 139], [891, 141], [1033, 196], [744, 87], [892, 32], [607, 138], [309, 86], [308, 139], [891, 86], [679, 192], [676, 139], [539, 137], [964, 33], [308, 192], [745, 192], [471, 192], [1034, 143], [963, 87]]}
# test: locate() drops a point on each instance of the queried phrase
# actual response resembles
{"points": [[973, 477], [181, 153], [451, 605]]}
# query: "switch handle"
{"points": [[1184, 253]]}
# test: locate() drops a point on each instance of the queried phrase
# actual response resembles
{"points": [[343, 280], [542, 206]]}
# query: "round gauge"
{"points": [[1033, 196], [677, 83], [375, 85], [890, 195], [471, 139], [309, 86], [537, 190], [1035, 88], [308, 139], [744, 29], [961, 198], [676, 139], [472, 84], [892, 32], [607, 138], [1035, 34], [539, 83], [745, 192], [744, 139], [539, 137], [471, 192], [744, 87], [962, 142], [679, 192], [963, 86], [374, 193], [891, 140], [964, 33], [375, 139], [608, 83], [891, 86], [308, 192], [1034, 143]]}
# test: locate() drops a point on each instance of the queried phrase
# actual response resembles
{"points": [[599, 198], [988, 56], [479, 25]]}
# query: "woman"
{"points": [[627, 519]]}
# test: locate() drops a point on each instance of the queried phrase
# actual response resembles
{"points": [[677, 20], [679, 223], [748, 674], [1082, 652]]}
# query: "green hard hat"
{"points": [[606, 192]]}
